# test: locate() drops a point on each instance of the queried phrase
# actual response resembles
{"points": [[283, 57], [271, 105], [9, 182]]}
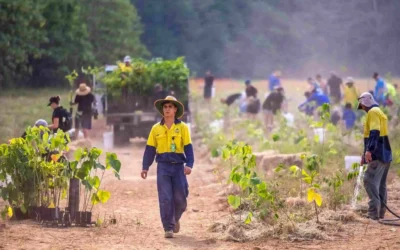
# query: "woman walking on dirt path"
{"points": [[170, 144]]}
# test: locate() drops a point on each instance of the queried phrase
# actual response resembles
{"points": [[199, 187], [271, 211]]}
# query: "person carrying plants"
{"points": [[377, 154], [170, 144]]}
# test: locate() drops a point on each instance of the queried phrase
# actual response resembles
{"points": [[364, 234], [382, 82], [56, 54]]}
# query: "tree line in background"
{"points": [[43, 40]]}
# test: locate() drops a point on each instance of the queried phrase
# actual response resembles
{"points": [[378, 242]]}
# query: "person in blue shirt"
{"points": [[274, 80], [318, 97], [307, 108], [380, 89], [349, 116]]}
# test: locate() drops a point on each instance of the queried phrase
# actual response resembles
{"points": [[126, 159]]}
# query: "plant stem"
{"points": [[316, 210]]}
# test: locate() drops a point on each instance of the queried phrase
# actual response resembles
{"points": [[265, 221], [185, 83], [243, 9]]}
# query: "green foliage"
{"points": [[255, 194], [114, 29], [171, 74], [36, 173], [34, 166], [87, 167], [43, 40], [335, 182]]}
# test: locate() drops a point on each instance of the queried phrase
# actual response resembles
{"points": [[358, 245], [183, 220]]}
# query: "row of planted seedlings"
{"points": [[320, 181], [38, 181]]}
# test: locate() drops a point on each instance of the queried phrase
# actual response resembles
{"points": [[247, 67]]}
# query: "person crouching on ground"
{"points": [[377, 154], [83, 116], [170, 143], [271, 105], [39, 123]]}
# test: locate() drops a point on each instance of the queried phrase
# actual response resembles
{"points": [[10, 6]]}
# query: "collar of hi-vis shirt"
{"points": [[177, 121]]}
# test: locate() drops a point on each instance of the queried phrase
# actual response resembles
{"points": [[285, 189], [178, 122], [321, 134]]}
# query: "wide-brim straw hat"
{"points": [[170, 99], [83, 89]]}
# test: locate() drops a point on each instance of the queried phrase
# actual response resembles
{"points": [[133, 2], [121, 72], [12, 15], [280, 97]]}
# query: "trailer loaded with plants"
{"points": [[40, 182], [131, 94]]}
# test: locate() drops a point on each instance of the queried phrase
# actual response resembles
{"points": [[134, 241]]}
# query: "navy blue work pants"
{"points": [[173, 189]]}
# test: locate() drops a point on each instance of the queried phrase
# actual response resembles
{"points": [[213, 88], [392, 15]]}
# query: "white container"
{"points": [[289, 119], [321, 134], [108, 140], [213, 92], [349, 160]]}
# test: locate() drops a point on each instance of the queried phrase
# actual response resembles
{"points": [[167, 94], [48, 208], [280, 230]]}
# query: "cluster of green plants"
{"points": [[36, 173], [171, 74]]}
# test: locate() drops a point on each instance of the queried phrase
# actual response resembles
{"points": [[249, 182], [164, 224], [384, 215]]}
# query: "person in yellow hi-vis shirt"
{"points": [[377, 154], [170, 144], [351, 93]]}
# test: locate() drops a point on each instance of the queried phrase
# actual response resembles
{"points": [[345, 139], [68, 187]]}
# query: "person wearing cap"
{"points": [[350, 93], [83, 116], [58, 113], [271, 106], [170, 144], [38, 123], [377, 155], [126, 67], [380, 89]]}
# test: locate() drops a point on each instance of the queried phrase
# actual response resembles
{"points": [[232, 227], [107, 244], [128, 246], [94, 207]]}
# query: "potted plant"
{"points": [[88, 168]]}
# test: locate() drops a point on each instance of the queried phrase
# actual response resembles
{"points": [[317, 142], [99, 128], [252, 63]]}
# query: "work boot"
{"points": [[169, 234], [177, 227]]}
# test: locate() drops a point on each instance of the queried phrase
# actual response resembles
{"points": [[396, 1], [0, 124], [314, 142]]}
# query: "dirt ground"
{"points": [[134, 204]]}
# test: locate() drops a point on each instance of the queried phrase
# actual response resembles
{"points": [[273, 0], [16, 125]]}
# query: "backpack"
{"points": [[66, 122]]}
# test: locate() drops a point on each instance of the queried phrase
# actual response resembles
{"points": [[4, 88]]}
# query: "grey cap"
{"points": [[367, 100], [41, 122]]}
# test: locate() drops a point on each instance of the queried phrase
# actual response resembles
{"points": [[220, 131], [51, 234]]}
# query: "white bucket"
{"points": [[213, 92], [349, 160], [108, 140], [289, 119], [321, 134]]}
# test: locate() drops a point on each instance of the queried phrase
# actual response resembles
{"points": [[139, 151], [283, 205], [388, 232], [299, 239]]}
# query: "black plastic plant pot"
{"points": [[33, 212], [19, 215], [83, 218], [49, 214]]}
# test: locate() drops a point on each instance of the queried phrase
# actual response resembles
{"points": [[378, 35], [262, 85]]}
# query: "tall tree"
{"points": [[21, 33], [114, 29], [67, 46]]}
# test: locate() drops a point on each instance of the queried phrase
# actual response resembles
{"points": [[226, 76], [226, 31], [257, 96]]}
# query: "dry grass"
{"points": [[21, 108]]}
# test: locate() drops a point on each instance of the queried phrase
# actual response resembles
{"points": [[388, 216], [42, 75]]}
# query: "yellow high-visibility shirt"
{"points": [[159, 145]]}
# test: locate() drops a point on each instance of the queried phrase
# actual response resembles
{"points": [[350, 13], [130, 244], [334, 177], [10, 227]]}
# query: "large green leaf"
{"points": [[84, 170], [95, 153], [103, 196], [234, 201], [113, 162]]}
